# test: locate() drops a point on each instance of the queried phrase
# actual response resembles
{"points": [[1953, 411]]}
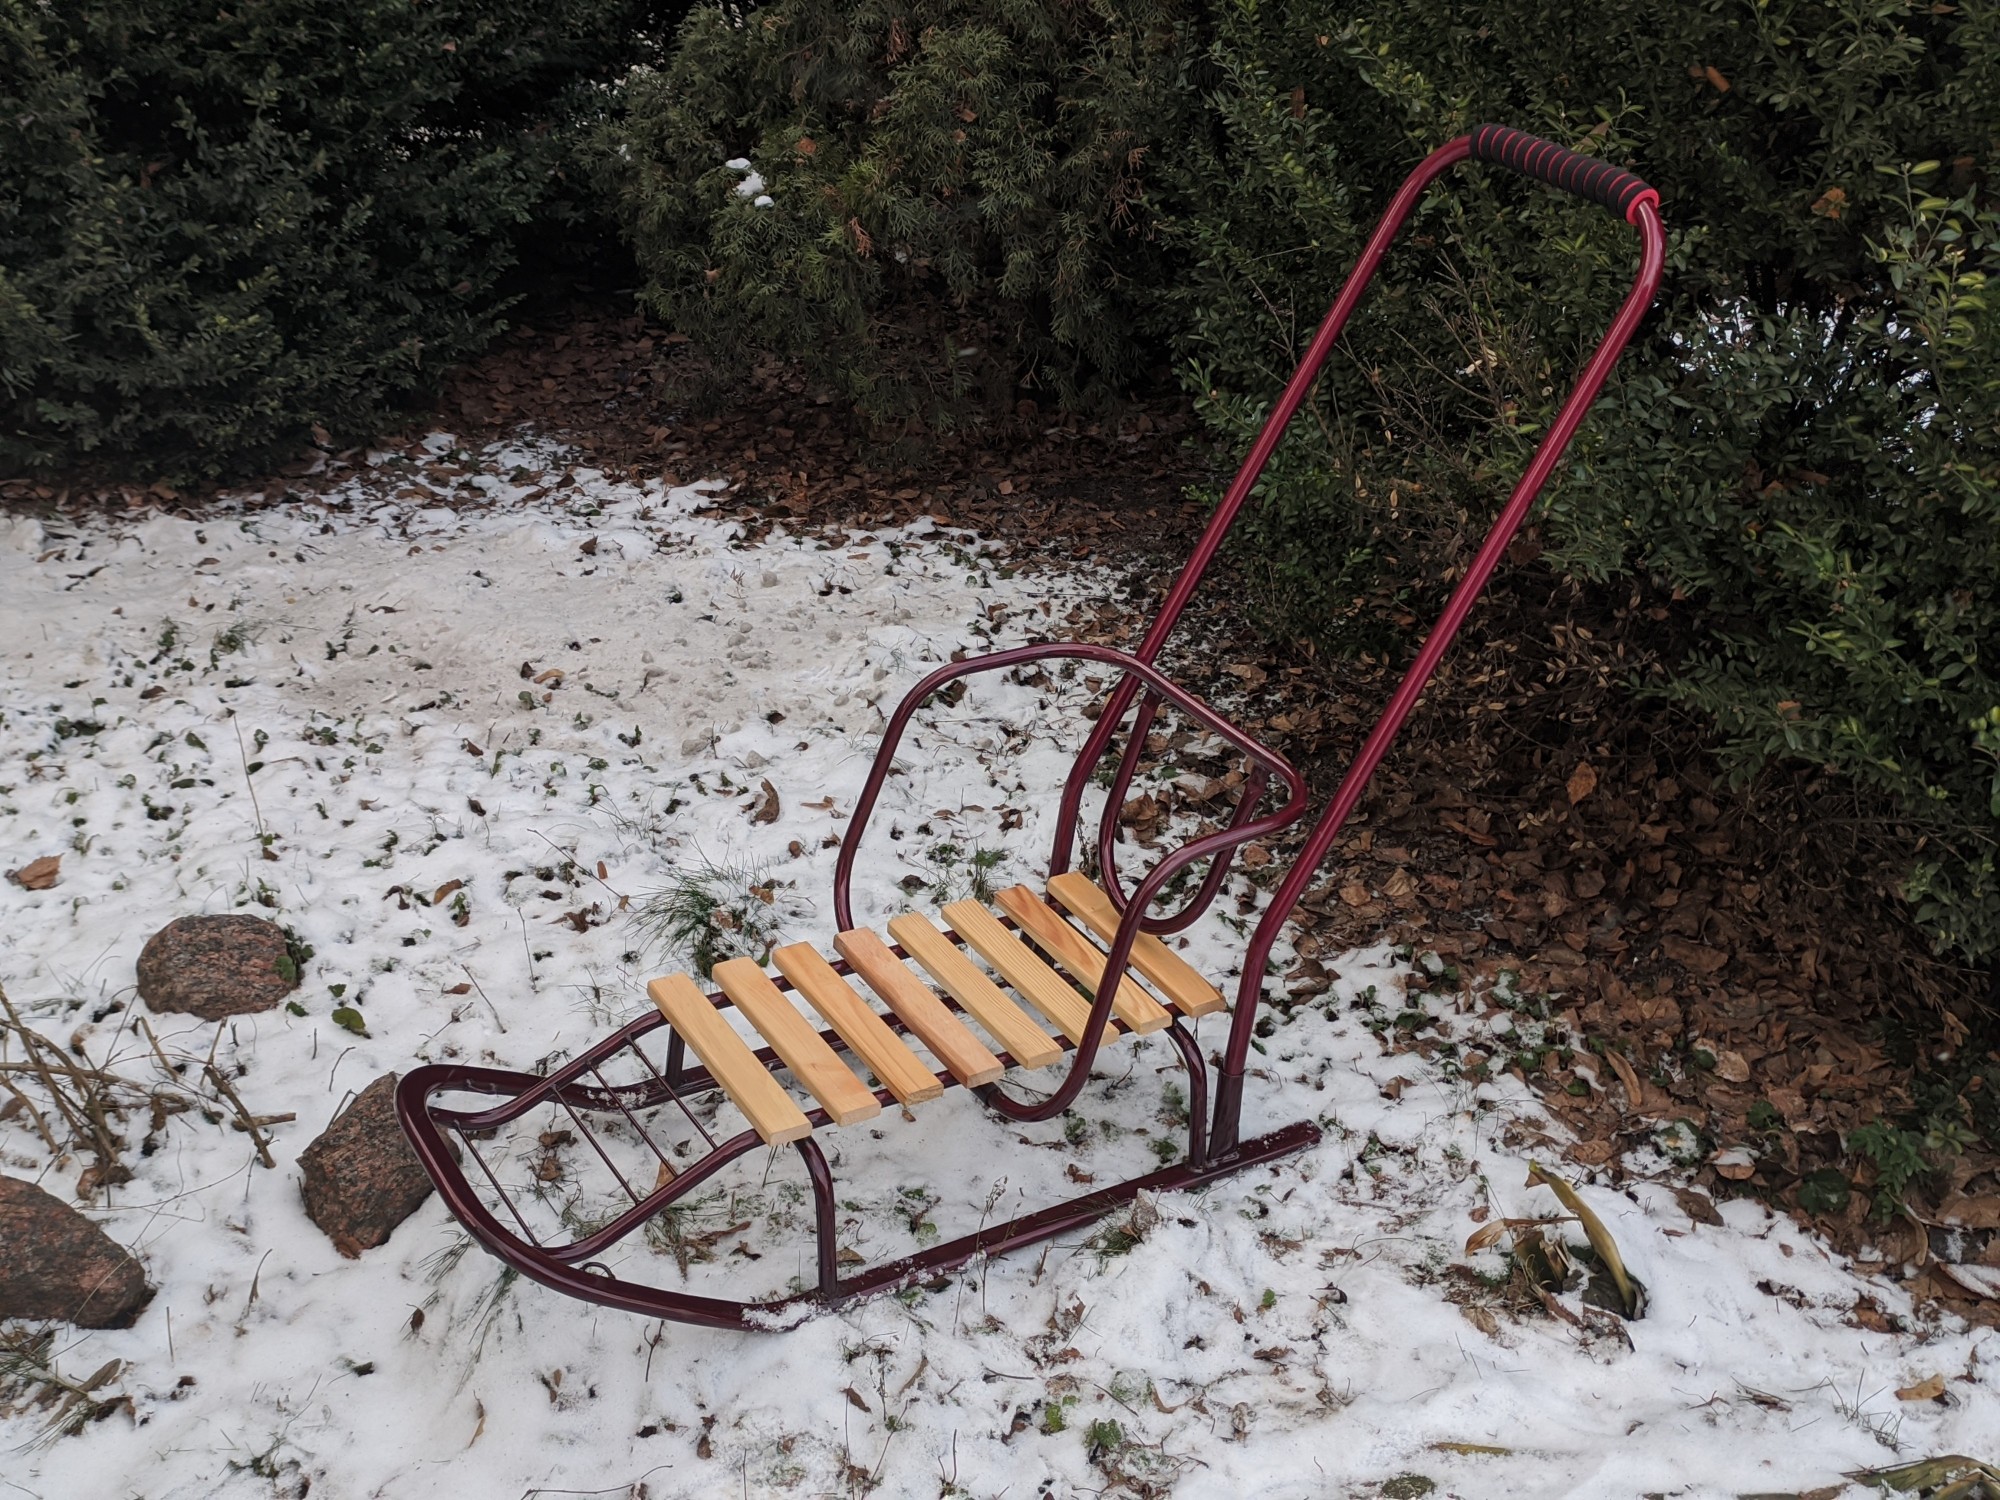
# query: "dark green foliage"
{"points": [[1803, 444], [1953, 1107], [953, 206], [1825, 1191], [221, 224]]}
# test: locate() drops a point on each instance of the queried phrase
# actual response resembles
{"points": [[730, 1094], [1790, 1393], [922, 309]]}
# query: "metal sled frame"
{"points": [[447, 1139]]}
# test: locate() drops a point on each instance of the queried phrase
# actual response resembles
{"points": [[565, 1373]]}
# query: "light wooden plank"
{"points": [[965, 1057], [1178, 980], [816, 1065], [901, 1071], [1043, 987], [770, 1110], [983, 1000], [1082, 959]]}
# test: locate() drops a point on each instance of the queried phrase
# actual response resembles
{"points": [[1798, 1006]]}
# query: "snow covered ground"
{"points": [[370, 690]]}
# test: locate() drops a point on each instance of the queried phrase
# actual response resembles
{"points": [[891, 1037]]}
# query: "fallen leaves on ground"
{"points": [[37, 874]]}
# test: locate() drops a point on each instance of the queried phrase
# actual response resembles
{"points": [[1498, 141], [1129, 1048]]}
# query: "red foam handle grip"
{"points": [[1586, 176]]}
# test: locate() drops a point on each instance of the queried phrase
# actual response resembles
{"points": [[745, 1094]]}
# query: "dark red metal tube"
{"points": [[1652, 262], [1137, 672]]}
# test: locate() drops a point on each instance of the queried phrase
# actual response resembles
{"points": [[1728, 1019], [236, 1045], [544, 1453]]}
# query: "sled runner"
{"points": [[1038, 983]]}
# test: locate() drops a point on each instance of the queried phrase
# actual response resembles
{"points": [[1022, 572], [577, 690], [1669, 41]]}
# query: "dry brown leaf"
{"points": [[1923, 1390], [1354, 893], [1982, 1212], [1582, 782], [1481, 1318], [1981, 1281], [1731, 1067], [1697, 1205], [1734, 1163], [1591, 1153], [1485, 1236], [766, 808], [1702, 960], [1594, 1230], [1634, 1091], [445, 890], [37, 874]]}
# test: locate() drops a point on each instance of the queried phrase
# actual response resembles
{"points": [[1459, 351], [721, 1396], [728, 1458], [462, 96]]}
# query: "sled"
{"points": [[1041, 981]]}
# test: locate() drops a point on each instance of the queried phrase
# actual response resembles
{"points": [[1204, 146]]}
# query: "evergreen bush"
{"points": [[941, 205], [1804, 441], [222, 223]]}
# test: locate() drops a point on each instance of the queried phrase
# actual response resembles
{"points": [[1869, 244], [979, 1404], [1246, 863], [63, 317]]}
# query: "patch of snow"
{"points": [[610, 676]]}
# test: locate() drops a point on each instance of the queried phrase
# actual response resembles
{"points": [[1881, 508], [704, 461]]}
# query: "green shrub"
{"points": [[942, 204], [221, 224], [1802, 442]]}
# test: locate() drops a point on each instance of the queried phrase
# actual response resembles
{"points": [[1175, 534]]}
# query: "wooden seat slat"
{"points": [[899, 1069], [1042, 986], [965, 1057], [843, 1096], [770, 1110], [1081, 958], [983, 1000], [1177, 979]]}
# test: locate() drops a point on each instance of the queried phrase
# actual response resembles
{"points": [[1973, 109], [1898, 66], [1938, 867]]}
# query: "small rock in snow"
{"points": [[769, 579], [215, 966], [361, 1179], [60, 1265]]}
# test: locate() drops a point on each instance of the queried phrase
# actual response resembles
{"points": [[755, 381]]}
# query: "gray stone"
{"points": [[361, 1179], [55, 1263], [217, 966]]}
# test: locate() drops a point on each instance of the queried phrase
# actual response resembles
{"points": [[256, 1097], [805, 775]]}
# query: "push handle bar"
{"points": [[1586, 176]]}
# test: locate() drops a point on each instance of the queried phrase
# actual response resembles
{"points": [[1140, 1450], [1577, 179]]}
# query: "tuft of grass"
{"points": [[711, 912], [958, 873], [29, 1381]]}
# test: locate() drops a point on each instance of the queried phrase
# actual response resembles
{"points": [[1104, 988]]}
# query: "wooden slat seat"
{"points": [[928, 1018], [1081, 959], [816, 1065], [1060, 991], [1175, 977], [762, 1099], [1043, 987], [847, 1013], [983, 1000]]}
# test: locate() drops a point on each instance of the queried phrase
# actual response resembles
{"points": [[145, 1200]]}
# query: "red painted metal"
{"points": [[1139, 694]]}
